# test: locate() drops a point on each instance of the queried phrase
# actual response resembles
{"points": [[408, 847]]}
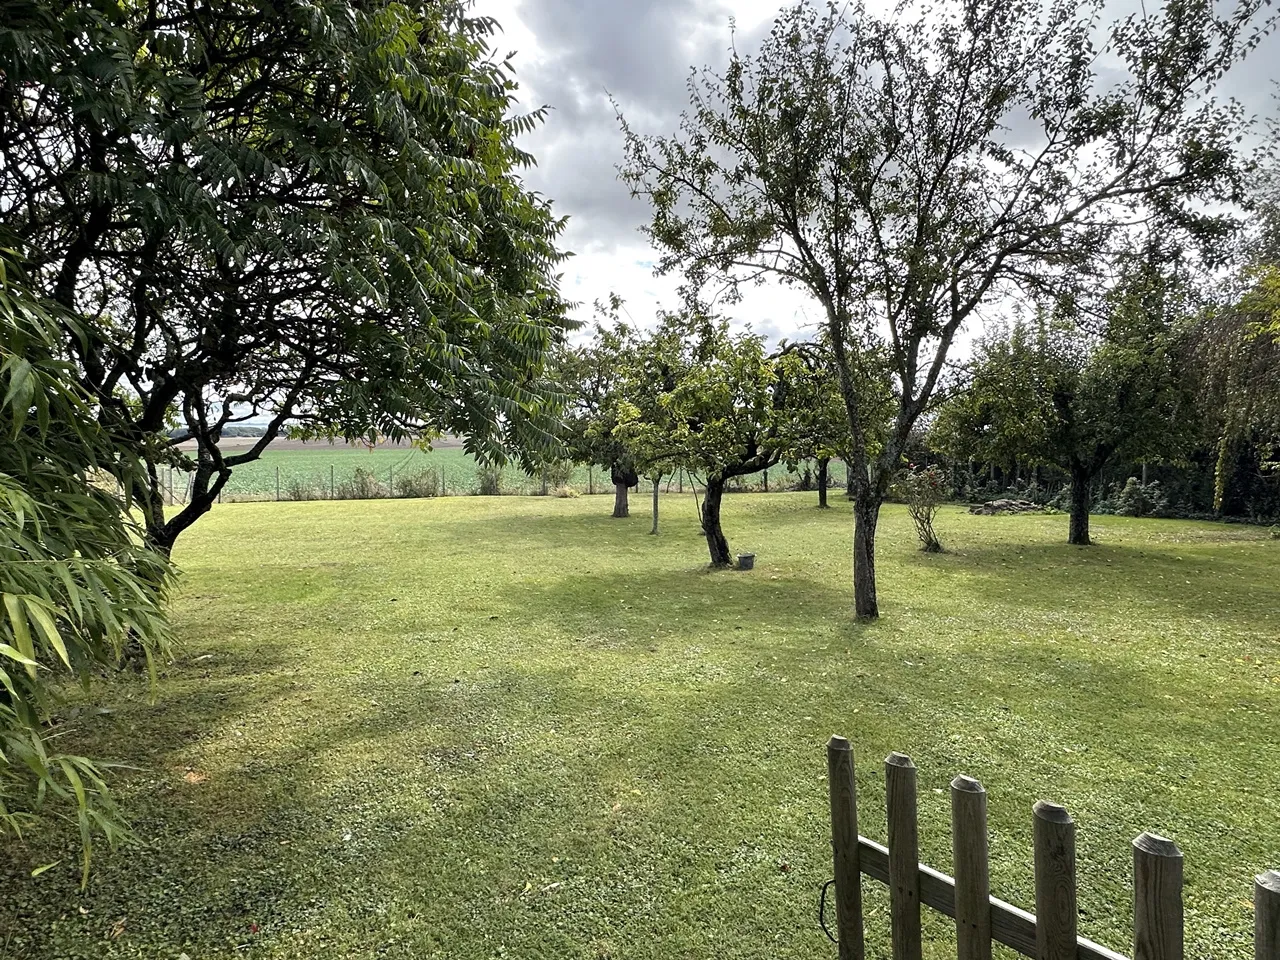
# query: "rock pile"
{"points": [[1006, 506]]}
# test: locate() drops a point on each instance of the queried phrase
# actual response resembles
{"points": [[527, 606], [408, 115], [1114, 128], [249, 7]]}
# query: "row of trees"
{"points": [[314, 213], [690, 394], [1141, 381]]}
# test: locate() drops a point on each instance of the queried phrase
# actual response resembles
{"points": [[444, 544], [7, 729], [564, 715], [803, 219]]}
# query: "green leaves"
{"points": [[310, 212], [697, 396], [76, 583]]}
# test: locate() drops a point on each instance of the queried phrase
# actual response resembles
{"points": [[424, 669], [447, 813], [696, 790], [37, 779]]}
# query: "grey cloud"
{"points": [[639, 52]]}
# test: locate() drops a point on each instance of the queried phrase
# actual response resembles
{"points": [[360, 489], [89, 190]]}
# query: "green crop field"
{"points": [[316, 471], [484, 727], [311, 470]]}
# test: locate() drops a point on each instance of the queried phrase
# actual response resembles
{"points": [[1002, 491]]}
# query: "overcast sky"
{"points": [[571, 54]]}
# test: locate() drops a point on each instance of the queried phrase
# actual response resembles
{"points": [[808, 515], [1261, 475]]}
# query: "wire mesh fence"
{"points": [[398, 473]]}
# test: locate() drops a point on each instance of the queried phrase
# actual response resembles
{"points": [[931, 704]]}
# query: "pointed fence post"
{"points": [[1266, 916], [1157, 899], [1053, 838], [973, 883], [904, 856], [844, 848]]}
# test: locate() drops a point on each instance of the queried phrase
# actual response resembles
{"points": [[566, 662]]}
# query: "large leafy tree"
{"points": [[1236, 348], [907, 171], [304, 212], [1054, 393], [77, 583]]}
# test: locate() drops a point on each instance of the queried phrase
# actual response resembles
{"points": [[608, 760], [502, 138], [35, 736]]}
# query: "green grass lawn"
{"points": [[479, 728]]}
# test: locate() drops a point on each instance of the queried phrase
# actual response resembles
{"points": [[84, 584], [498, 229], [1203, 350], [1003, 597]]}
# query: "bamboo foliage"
{"points": [[77, 585]]}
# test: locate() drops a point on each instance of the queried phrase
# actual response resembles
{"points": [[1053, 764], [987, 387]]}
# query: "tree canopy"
{"points": [[311, 213], [1237, 348], [715, 403], [592, 377]]}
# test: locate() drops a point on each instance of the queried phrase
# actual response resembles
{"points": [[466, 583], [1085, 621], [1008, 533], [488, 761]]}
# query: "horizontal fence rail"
{"points": [[982, 919]]}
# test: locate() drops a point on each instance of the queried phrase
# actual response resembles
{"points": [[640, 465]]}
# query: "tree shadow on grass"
{"points": [[1166, 581], [566, 804]]}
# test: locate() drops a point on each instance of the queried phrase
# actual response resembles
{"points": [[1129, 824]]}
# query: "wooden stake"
{"points": [[844, 848], [1157, 899], [973, 883], [904, 856], [1266, 916], [1054, 842]]}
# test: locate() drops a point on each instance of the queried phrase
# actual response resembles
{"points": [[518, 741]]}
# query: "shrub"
{"points": [[558, 474], [923, 490], [489, 481], [422, 483], [363, 485], [1138, 500], [298, 489], [565, 491], [1275, 531]]}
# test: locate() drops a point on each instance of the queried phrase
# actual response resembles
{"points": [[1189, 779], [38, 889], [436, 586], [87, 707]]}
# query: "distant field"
{"points": [[315, 471]]}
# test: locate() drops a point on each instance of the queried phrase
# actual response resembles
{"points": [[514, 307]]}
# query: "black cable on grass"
{"points": [[822, 911]]}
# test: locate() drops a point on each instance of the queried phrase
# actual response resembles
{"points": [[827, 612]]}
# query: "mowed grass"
{"points": [[479, 728]]}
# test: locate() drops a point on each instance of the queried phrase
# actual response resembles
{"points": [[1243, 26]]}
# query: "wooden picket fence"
{"points": [[1049, 934]]}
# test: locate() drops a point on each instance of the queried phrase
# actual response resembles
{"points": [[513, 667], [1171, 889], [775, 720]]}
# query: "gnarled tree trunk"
{"points": [[823, 463], [1079, 529], [163, 531], [866, 514], [716, 542], [624, 478]]}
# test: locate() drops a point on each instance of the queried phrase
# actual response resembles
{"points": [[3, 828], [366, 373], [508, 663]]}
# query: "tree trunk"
{"points": [[206, 485], [848, 483], [624, 477], [822, 482], [866, 514], [1079, 530], [656, 480], [716, 542]]}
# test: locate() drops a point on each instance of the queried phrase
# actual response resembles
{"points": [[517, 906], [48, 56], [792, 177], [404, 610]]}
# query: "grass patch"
{"points": [[473, 728]]}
